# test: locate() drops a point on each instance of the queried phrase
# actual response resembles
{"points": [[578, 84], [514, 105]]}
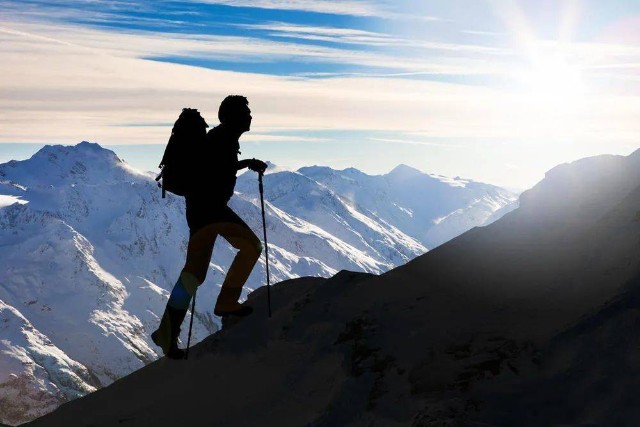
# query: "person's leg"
{"points": [[241, 237], [193, 274]]}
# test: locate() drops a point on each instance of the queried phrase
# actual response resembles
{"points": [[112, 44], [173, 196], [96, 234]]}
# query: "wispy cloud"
{"points": [[135, 44], [270, 138], [331, 34], [367, 38], [64, 10], [417, 142], [342, 7], [484, 33]]}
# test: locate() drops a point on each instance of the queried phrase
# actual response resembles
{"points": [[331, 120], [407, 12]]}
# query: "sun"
{"points": [[550, 100], [553, 84]]}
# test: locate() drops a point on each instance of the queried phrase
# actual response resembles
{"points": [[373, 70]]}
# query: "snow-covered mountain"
{"points": [[530, 321], [430, 208], [90, 252]]}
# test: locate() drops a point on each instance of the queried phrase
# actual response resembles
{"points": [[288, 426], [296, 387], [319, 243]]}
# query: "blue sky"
{"points": [[498, 90]]}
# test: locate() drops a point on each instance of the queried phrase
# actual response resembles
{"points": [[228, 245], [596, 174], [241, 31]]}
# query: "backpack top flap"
{"points": [[181, 153], [190, 129]]}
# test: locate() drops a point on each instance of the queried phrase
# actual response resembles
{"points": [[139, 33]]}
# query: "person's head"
{"points": [[234, 112]]}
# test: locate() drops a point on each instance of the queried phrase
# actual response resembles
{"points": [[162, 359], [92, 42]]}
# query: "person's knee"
{"points": [[254, 249], [248, 246], [192, 280], [195, 272], [201, 276]]}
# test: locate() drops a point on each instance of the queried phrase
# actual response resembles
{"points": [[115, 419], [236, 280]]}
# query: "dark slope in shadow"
{"points": [[590, 371], [438, 340], [588, 375]]}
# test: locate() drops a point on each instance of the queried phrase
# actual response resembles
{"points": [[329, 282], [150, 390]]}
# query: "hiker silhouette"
{"points": [[208, 217]]}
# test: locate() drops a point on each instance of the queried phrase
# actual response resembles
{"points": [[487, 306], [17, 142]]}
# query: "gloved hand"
{"points": [[257, 165]]}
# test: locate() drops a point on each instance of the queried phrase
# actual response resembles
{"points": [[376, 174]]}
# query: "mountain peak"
{"points": [[404, 170], [315, 169], [83, 149], [353, 171], [66, 163], [273, 168]]}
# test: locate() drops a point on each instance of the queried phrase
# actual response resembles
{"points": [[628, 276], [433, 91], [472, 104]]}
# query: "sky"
{"points": [[498, 91]]}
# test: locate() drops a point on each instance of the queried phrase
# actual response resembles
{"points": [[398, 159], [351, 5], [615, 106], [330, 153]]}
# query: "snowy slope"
{"points": [[430, 208], [314, 203], [90, 252], [531, 320], [35, 375]]}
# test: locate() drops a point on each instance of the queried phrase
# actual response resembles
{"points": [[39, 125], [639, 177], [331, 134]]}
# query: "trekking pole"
{"points": [[193, 310], [266, 246]]}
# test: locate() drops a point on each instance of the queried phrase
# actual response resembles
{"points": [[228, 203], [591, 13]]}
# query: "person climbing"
{"points": [[209, 216]]}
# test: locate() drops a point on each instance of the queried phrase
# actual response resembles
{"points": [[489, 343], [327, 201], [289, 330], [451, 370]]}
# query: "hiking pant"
{"points": [[200, 248]]}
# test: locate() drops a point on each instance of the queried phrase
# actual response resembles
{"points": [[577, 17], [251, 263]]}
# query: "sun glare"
{"points": [[553, 85], [550, 100]]}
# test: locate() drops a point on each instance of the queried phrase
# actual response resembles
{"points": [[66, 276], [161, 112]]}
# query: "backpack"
{"points": [[177, 174]]}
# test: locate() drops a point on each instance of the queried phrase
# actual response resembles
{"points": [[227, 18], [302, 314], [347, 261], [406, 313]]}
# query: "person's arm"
{"points": [[243, 164], [253, 164]]}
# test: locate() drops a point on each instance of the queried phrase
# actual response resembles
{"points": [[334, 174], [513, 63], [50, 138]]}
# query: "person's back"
{"points": [[216, 170]]}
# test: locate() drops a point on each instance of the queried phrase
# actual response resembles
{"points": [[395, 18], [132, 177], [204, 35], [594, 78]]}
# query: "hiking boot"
{"points": [[240, 311], [228, 305], [166, 336], [174, 351]]}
